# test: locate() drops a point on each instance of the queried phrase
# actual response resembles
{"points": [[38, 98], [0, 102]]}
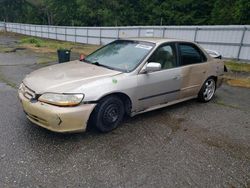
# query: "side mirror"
{"points": [[151, 67]]}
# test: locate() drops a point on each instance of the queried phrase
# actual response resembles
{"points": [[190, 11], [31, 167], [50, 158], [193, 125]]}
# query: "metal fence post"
{"points": [[118, 33], [30, 29], [100, 36], [163, 32], [56, 32], [241, 42], [25, 29], [48, 32], [5, 26], [87, 35], [65, 35], [195, 34], [75, 34]]}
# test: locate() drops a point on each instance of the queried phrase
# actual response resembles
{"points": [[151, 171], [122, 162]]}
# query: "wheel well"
{"points": [[124, 98], [214, 77]]}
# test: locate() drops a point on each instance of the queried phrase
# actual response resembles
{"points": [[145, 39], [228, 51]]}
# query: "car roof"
{"points": [[156, 40]]}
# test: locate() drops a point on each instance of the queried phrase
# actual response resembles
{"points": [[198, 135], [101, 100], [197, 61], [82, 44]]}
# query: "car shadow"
{"points": [[44, 143], [93, 132]]}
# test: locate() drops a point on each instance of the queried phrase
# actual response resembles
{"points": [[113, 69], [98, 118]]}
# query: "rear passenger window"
{"points": [[190, 54]]}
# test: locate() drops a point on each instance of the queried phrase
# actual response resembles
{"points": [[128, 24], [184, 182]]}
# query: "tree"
{"points": [[125, 12], [242, 12]]}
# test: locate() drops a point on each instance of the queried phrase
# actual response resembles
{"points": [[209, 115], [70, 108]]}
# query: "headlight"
{"points": [[61, 99]]}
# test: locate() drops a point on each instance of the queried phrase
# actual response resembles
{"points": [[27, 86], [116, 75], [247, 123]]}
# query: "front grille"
{"points": [[28, 93]]}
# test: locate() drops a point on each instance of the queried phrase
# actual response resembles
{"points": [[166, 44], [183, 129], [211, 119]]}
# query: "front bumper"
{"points": [[57, 119]]}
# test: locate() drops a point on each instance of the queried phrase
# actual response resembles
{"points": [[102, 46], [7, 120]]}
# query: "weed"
{"points": [[32, 40], [237, 66], [222, 103], [242, 82], [7, 82]]}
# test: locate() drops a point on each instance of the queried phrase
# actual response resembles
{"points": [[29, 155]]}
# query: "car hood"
{"points": [[65, 77]]}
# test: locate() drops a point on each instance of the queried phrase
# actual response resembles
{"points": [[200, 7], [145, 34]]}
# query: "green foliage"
{"points": [[237, 66], [32, 40], [126, 12], [231, 12], [19, 11]]}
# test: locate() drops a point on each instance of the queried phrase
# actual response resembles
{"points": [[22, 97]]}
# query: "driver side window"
{"points": [[165, 55]]}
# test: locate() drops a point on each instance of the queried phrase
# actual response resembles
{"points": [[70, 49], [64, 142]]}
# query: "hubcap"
{"points": [[111, 114], [209, 89]]}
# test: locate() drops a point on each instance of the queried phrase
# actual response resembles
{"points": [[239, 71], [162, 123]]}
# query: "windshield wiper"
{"points": [[101, 65], [98, 64]]}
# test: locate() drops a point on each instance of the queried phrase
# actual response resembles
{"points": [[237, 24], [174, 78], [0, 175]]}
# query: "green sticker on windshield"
{"points": [[114, 81]]}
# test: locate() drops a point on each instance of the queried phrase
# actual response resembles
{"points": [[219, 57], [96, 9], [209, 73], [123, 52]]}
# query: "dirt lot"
{"points": [[185, 145]]}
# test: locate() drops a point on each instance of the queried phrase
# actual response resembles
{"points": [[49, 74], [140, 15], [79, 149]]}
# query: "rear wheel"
{"points": [[108, 114], [207, 91]]}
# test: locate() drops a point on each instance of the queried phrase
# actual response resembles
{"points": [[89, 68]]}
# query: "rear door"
{"points": [[194, 67]]}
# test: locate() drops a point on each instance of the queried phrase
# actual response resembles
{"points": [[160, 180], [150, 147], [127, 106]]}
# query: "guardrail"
{"points": [[231, 41]]}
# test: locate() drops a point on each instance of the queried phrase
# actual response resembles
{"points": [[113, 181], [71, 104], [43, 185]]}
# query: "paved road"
{"points": [[185, 145]]}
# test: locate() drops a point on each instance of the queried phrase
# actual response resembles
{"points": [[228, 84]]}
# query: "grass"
{"points": [[240, 82], [222, 103], [237, 66], [40, 45], [238, 75], [5, 49], [8, 82], [47, 48], [32, 40], [44, 60]]}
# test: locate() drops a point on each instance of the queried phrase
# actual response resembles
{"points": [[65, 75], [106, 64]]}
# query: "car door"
{"points": [[162, 86], [194, 68]]}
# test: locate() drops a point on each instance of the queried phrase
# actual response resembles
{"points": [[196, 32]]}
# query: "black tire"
{"points": [[108, 114], [207, 90]]}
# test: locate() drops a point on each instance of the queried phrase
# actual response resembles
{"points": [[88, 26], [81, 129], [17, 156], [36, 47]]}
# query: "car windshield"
{"points": [[122, 55]]}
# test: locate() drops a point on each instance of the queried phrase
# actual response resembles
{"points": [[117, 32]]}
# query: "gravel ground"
{"points": [[186, 145]]}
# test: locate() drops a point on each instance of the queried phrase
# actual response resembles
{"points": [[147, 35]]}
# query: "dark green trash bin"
{"points": [[63, 55]]}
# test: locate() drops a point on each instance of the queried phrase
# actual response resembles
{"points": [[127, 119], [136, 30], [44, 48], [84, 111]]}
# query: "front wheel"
{"points": [[108, 114], [207, 91]]}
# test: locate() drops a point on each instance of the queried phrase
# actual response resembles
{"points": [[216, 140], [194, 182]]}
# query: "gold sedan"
{"points": [[129, 76]]}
